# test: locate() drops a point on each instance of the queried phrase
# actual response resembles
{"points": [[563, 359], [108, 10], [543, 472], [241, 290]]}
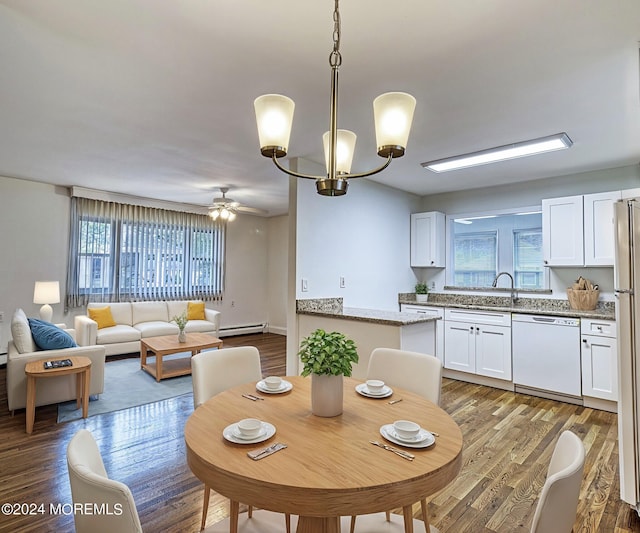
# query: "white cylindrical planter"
{"points": [[422, 298], [326, 395]]}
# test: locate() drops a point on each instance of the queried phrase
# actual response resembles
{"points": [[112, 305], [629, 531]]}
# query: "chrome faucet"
{"points": [[514, 294]]}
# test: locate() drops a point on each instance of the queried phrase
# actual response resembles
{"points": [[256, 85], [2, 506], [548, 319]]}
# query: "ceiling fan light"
{"points": [[224, 213], [214, 214], [345, 148], [274, 116], [393, 115], [232, 216]]}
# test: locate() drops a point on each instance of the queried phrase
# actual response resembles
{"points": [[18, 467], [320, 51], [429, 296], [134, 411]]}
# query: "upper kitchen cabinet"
{"points": [[428, 239], [579, 230], [599, 228]]}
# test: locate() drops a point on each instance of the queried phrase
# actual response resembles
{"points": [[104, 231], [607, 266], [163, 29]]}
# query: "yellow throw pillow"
{"points": [[195, 311], [102, 315]]}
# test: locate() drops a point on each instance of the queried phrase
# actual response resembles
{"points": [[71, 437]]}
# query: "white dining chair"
{"points": [[558, 503], [215, 371], [416, 372], [91, 485]]}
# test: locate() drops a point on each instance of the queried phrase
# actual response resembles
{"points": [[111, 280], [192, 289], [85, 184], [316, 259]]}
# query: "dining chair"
{"points": [[91, 485], [215, 371], [558, 503], [416, 372]]}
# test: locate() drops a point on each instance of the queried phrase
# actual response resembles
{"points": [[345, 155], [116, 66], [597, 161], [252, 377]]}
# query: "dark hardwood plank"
{"points": [[508, 443]]}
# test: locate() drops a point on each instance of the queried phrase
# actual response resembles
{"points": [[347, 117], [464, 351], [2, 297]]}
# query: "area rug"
{"points": [[126, 385]]}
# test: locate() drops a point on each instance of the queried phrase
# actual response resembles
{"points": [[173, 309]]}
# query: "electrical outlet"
{"points": [[233, 303], [342, 284], [304, 284], [433, 285]]}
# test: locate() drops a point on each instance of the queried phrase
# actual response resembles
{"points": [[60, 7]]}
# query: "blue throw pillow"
{"points": [[49, 337]]}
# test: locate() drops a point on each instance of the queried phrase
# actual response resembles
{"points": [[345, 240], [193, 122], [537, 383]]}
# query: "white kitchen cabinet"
{"points": [[428, 239], [430, 311], [562, 231], [599, 359], [599, 229], [579, 230], [478, 342]]}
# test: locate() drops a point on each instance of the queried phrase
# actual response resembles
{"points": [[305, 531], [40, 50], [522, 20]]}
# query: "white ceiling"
{"points": [[155, 98]]}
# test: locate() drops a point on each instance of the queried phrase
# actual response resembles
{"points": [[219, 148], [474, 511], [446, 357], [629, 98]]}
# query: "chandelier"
{"points": [[393, 114]]}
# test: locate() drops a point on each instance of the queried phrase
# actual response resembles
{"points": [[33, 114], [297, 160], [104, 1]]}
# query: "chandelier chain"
{"points": [[335, 59]]}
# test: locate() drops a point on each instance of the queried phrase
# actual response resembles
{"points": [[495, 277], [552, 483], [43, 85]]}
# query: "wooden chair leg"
{"points": [[234, 513], [250, 511], [408, 518], [425, 514], [387, 515], [205, 507], [287, 518], [353, 524]]}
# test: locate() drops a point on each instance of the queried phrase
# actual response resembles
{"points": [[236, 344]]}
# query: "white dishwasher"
{"points": [[546, 354]]}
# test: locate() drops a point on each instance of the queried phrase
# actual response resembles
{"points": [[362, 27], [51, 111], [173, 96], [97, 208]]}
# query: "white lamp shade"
{"points": [[393, 115], [274, 117], [46, 292], [345, 147]]}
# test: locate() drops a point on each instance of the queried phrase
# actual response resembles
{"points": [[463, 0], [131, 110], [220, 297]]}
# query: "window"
{"points": [[475, 259], [122, 252], [483, 245]]}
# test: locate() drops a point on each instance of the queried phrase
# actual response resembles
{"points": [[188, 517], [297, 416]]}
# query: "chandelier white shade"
{"points": [[393, 115], [46, 292], [274, 115], [223, 213]]}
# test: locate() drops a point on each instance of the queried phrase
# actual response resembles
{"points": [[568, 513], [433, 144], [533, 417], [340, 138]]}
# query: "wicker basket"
{"points": [[583, 300]]}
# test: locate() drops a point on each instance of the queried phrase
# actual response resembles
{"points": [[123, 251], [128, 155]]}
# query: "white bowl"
{"points": [[249, 427], [273, 382], [405, 429], [375, 385]]}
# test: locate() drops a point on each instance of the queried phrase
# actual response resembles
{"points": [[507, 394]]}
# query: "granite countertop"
{"points": [[332, 308], [533, 306]]}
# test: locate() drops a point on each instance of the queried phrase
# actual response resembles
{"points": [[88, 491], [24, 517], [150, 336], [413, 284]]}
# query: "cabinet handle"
{"points": [[471, 330], [584, 341], [546, 262], [432, 262], [477, 331]]}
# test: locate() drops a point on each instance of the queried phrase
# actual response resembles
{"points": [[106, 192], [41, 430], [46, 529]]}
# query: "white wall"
{"points": [[362, 236], [34, 229], [277, 272], [34, 222]]}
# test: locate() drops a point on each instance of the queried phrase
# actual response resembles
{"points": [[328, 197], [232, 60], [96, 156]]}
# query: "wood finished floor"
{"points": [[508, 439]]}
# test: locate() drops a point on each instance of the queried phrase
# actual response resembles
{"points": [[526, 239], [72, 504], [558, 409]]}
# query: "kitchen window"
{"points": [[481, 245]]}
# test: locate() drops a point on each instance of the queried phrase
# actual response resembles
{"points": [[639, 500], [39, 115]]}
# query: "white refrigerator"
{"points": [[627, 290]]}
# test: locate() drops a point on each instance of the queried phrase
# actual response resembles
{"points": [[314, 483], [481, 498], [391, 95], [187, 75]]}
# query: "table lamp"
{"points": [[46, 292]]}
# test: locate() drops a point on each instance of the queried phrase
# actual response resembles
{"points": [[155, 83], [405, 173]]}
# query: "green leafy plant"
{"points": [[421, 288], [181, 320], [327, 354]]}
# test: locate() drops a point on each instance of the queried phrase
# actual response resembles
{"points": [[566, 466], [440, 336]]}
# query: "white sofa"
{"points": [[138, 320], [22, 350]]}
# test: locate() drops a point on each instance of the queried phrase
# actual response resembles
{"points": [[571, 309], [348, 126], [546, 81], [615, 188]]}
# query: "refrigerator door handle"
{"points": [[624, 291]]}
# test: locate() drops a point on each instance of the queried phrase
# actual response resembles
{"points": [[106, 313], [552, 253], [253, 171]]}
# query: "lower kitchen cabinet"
{"points": [[430, 311], [478, 342], [599, 359]]}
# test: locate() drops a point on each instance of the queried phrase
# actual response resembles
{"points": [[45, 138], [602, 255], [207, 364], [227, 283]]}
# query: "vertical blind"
{"points": [[121, 252]]}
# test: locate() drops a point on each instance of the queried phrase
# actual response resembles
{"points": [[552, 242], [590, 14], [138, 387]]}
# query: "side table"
{"points": [[81, 366]]}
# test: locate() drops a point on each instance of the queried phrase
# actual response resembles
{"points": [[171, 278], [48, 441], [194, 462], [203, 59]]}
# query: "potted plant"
{"points": [[327, 357], [181, 322], [422, 292]]}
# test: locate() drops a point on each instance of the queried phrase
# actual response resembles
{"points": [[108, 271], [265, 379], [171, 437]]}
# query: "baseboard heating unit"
{"points": [[242, 330]]}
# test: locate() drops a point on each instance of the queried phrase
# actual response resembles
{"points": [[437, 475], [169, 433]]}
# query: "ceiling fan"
{"points": [[226, 208]]}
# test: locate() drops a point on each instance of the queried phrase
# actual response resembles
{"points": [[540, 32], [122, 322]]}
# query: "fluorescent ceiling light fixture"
{"points": [[529, 213], [559, 141], [467, 220]]}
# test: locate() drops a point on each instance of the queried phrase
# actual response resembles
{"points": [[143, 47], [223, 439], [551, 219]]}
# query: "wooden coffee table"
{"points": [[167, 345], [80, 365]]}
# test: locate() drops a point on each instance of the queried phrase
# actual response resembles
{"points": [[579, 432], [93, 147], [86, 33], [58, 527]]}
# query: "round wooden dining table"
{"points": [[329, 468]]}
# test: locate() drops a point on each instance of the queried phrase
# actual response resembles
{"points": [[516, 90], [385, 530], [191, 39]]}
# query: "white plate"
{"points": [[424, 439], [361, 388], [238, 434], [285, 386], [231, 431]]}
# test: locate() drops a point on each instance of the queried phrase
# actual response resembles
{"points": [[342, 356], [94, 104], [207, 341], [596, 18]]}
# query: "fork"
{"points": [[401, 453]]}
